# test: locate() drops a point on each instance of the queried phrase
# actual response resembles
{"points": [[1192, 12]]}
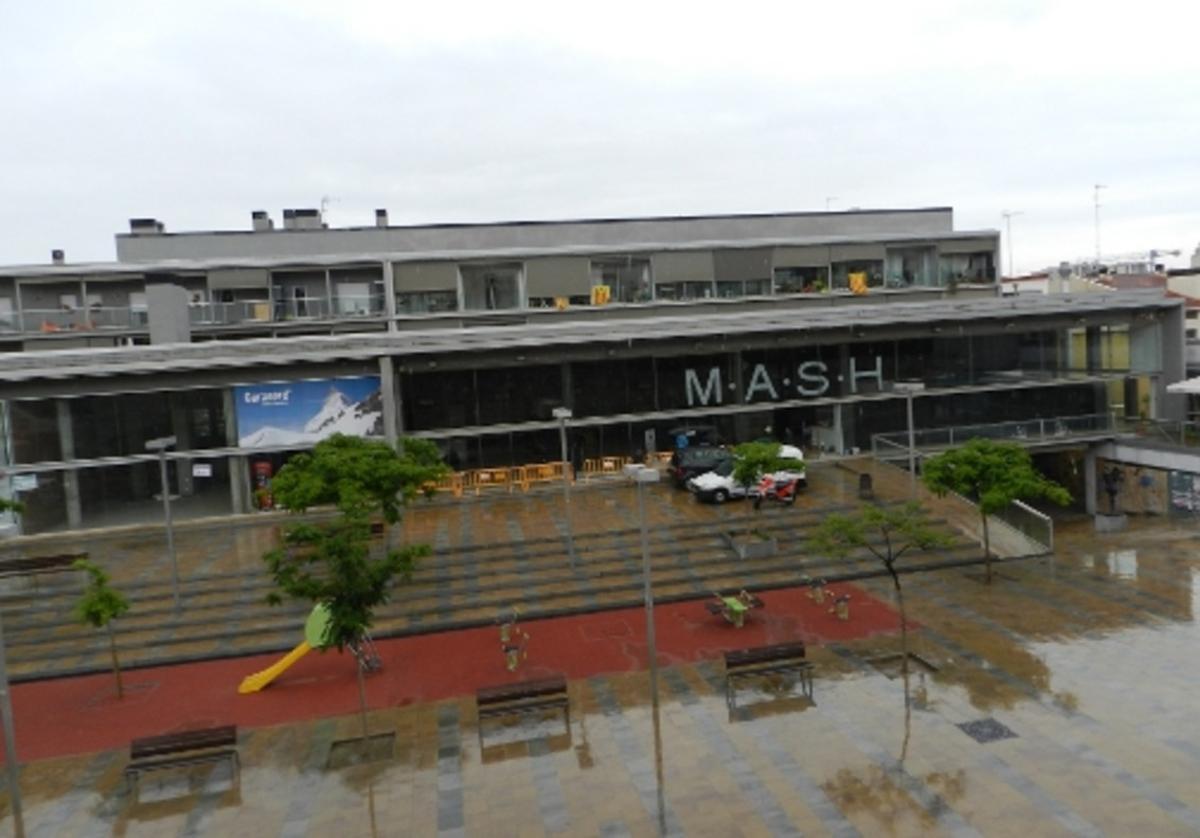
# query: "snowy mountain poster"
{"points": [[301, 412]]}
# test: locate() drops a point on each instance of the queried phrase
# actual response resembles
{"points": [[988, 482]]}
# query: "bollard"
{"points": [[865, 490]]}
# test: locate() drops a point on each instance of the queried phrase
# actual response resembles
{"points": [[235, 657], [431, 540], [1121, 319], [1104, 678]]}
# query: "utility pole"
{"points": [[1096, 200], [1008, 216]]}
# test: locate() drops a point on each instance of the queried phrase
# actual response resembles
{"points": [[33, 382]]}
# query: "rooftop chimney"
{"points": [[57, 257], [260, 221], [381, 218], [145, 226], [301, 219]]}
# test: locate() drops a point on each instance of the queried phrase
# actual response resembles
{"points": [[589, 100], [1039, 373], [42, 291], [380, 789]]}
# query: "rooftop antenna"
{"points": [[829, 200], [1096, 199], [325, 202]]}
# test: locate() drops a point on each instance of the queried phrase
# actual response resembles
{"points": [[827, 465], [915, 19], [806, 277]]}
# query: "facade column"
{"points": [[388, 393], [239, 469], [1089, 481], [66, 441], [389, 294], [182, 430]]}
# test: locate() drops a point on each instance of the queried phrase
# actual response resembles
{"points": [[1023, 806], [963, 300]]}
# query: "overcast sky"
{"points": [[197, 113]]}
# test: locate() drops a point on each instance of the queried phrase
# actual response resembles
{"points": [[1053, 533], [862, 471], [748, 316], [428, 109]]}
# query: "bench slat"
{"points": [[764, 654], [182, 742], [524, 690], [39, 564]]}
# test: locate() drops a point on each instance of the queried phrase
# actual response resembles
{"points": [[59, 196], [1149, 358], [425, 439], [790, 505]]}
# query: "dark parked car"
{"points": [[687, 463]]}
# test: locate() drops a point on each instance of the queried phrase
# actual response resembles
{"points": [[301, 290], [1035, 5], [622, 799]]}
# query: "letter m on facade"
{"points": [[710, 391]]}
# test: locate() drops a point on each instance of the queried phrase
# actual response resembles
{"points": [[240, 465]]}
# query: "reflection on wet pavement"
{"points": [[1059, 700]]}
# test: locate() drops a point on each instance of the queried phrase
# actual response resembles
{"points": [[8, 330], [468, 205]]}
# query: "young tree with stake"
{"points": [[99, 605], [330, 562], [993, 474]]}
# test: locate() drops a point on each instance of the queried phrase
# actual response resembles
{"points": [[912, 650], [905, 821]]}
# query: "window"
{"points": [[808, 280], [353, 298], [426, 302], [628, 278], [491, 287], [873, 268]]}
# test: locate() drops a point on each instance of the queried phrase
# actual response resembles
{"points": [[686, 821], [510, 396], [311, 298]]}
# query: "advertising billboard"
{"points": [[301, 412]]}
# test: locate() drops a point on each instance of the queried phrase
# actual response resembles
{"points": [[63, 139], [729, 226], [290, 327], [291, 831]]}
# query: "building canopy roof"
{"points": [[619, 329]]}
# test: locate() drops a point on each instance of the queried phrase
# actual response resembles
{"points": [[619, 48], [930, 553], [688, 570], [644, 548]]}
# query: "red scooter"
{"points": [[770, 487]]}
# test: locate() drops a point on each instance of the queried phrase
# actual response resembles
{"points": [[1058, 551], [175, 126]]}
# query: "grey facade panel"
{"points": [[968, 245], [602, 233], [856, 252], [426, 276], [558, 277], [802, 257], [751, 263], [238, 278], [680, 266]]}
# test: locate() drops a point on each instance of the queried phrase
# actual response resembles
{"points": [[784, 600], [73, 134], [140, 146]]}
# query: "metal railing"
{"points": [[1170, 431], [1037, 527], [1027, 432]]}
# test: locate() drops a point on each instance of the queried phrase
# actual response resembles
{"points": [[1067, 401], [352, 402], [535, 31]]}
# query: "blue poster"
{"points": [[304, 412]]}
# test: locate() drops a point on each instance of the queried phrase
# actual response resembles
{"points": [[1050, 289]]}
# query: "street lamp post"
{"points": [[10, 744], [641, 475], [908, 388], [562, 414], [161, 444]]}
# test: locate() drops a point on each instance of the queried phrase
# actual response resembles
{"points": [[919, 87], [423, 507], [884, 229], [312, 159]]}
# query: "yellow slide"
{"points": [[254, 683], [316, 627]]}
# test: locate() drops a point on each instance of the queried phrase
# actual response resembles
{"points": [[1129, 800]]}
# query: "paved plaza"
{"points": [[1058, 700]]}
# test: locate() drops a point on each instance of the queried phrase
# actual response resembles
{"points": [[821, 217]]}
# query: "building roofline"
{"points": [[557, 222], [474, 255]]}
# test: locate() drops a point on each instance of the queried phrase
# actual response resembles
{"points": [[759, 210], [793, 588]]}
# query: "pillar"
{"points": [[389, 294], [181, 429], [388, 392], [1089, 481], [239, 469], [66, 441]]}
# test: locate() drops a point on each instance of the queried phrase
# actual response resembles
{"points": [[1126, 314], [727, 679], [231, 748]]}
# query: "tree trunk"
{"points": [[112, 648], [362, 704], [904, 674], [987, 547]]}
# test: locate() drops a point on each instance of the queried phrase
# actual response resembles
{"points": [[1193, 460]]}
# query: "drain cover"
{"points": [[986, 730]]}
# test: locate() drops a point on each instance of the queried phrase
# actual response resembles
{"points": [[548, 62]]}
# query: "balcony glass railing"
{"points": [[74, 320]]}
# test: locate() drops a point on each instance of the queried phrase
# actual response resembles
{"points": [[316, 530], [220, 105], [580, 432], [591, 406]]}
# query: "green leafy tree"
{"points": [[99, 605], [330, 562], [887, 533], [993, 474], [754, 459]]}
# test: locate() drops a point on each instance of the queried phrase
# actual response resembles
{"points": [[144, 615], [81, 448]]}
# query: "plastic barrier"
{"points": [[603, 466], [542, 473], [452, 483], [491, 478]]}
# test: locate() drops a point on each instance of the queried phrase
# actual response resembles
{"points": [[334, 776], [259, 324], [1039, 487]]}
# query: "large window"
{"points": [[426, 302], [807, 280], [966, 267], [490, 287], [628, 279], [871, 271]]}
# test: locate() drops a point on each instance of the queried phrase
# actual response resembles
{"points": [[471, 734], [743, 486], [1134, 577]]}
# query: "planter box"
{"points": [[1110, 523], [749, 547]]}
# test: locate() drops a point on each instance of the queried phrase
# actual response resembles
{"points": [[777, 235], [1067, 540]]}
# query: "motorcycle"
{"points": [[772, 487]]}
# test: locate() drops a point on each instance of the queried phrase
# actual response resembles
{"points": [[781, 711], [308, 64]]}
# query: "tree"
{"points": [[99, 605], [330, 562], [993, 474], [887, 533], [754, 459]]}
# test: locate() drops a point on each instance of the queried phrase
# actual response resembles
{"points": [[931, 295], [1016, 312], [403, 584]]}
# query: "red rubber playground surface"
{"points": [[82, 715]]}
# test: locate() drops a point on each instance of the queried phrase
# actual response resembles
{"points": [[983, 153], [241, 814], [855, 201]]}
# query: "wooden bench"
{"points": [[768, 660], [38, 565], [524, 697], [177, 750]]}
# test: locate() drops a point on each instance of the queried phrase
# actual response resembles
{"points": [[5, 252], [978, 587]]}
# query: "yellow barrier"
{"points": [[600, 466], [488, 478], [452, 483], [542, 473], [662, 457]]}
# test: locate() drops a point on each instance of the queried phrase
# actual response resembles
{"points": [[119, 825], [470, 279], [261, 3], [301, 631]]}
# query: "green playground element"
{"points": [[316, 627]]}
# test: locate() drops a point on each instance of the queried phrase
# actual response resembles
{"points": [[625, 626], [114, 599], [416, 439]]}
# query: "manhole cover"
{"points": [[986, 730]]}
